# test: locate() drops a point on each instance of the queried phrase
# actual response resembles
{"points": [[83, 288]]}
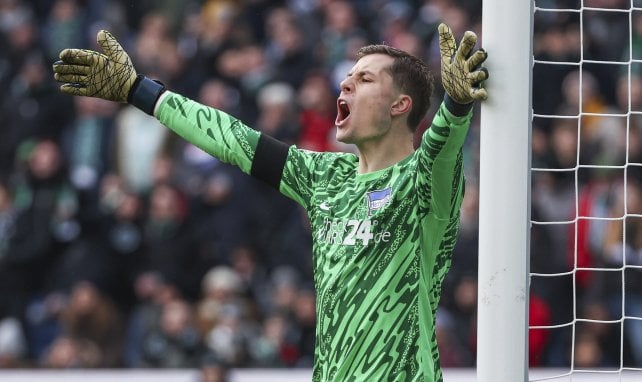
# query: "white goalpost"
{"points": [[504, 201], [600, 238]]}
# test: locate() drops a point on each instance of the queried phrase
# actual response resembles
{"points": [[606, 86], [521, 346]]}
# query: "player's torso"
{"points": [[366, 232]]}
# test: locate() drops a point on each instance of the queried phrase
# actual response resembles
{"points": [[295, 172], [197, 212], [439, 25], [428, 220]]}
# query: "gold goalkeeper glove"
{"points": [[109, 76], [461, 71]]}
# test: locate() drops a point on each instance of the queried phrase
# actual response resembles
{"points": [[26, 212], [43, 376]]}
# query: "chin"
{"points": [[343, 138]]}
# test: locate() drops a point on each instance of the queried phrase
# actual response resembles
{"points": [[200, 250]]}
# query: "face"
{"points": [[364, 105]]}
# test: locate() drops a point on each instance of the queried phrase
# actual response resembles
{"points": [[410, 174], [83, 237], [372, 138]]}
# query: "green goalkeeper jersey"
{"points": [[382, 241]]}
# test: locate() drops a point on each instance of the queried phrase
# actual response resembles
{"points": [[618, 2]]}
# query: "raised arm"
{"points": [[111, 75], [441, 169]]}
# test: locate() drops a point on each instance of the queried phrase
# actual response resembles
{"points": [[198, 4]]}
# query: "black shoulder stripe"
{"points": [[269, 160]]}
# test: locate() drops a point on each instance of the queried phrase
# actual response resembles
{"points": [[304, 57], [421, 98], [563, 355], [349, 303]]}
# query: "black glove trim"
{"points": [[457, 109], [144, 93]]}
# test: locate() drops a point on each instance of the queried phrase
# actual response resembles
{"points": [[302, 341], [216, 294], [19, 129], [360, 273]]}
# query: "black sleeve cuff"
{"points": [[144, 93], [457, 109], [269, 160]]}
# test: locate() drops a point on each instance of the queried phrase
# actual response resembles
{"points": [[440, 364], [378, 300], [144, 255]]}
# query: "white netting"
{"points": [[586, 232]]}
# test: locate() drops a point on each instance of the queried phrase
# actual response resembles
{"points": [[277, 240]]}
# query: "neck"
{"points": [[382, 153]]}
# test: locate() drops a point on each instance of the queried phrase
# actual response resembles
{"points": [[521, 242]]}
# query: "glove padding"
{"points": [[461, 71], [88, 73]]}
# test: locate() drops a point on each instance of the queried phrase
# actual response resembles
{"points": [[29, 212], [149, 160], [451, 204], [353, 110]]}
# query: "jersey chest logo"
{"points": [[378, 199]]}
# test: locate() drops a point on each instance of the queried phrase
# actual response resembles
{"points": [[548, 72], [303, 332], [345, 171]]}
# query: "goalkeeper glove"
{"points": [[109, 76], [461, 71]]}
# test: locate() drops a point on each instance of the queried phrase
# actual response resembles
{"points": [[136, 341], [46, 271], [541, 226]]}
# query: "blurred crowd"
{"points": [[122, 245]]}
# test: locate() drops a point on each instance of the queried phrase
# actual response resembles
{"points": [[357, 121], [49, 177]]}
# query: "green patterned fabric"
{"points": [[382, 241]]}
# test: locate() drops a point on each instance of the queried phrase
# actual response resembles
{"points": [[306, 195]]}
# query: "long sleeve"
{"points": [[212, 130], [440, 173]]}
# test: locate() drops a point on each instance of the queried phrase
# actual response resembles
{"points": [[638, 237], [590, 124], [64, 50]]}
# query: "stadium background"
{"points": [[122, 246]]}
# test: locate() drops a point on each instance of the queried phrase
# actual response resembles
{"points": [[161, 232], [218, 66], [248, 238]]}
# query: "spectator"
{"points": [[254, 278], [224, 317], [46, 223], [64, 27], [602, 137], [91, 316], [135, 155], [30, 109], [176, 342], [168, 245], [121, 237], [277, 112], [340, 27], [223, 217], [221, 286], [304, 324], [286, 50], [152, 293], [317, 102], [274, 346], [620, 249], [87, 144]]}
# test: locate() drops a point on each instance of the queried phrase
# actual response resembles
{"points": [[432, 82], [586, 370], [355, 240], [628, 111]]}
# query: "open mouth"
{"points": [[343, 112]]}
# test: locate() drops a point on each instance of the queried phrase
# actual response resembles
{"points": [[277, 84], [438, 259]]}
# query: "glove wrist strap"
{"points": [[144, 93], [457, 109]]}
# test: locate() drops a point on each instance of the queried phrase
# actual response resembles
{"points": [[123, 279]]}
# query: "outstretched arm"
{"points": [[441, 172], [111, 75]]}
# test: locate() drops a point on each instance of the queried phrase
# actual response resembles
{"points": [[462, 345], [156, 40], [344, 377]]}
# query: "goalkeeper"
{"points": [[384, 221]]}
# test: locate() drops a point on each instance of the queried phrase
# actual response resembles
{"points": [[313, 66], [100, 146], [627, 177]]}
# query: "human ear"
{"points": [[401, 105]]}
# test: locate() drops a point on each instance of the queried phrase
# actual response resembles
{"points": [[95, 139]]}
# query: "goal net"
{"points": [[585, 306], [560, 196]]}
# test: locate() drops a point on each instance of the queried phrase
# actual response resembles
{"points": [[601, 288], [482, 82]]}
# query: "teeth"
{"points": [[343, 103]]}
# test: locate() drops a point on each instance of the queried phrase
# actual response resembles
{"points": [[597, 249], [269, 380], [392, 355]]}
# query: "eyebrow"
{"points": [[361, 73]]}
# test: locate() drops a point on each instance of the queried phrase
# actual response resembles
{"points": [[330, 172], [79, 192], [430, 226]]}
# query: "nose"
{"points": [[346, 85]]}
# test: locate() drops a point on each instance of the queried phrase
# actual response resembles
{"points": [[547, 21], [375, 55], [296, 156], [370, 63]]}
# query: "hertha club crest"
{"points": [[378, 199]]}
